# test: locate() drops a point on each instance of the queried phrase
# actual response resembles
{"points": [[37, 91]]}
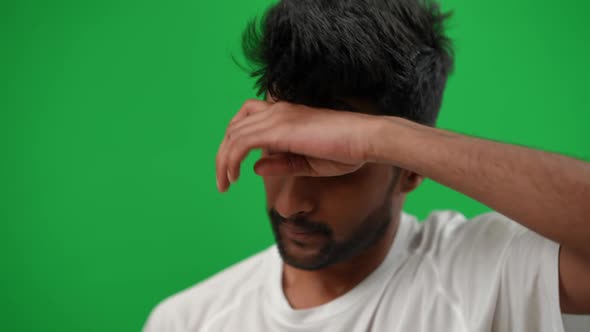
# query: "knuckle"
{"points": [[230, 134], [233, 146], [229, 131], [249, 103]]}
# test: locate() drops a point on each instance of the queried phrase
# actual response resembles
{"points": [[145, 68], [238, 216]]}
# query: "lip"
{"points": [[298, 233], [295, 229]]}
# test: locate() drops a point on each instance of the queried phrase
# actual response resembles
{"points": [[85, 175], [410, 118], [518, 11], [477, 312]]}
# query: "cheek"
{"points": [[347, 201], [366, 187]]}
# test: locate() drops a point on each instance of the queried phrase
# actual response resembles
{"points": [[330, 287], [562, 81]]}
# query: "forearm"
{"points": [[545, 192]]}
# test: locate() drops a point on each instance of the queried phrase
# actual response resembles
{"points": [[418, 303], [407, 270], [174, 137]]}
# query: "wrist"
{"points": [[393, 139], [384, 135]]}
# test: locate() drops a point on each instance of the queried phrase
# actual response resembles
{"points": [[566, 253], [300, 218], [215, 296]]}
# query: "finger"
{"points": [[283, 164], [257, 135], [253, 117], [251, 106], [220, 173]]}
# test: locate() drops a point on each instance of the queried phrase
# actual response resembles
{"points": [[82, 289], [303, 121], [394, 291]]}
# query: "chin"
{"points": [[304, 258]]}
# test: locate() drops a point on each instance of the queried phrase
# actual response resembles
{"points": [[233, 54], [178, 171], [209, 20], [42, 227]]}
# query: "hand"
{"points": [[297, 139]]}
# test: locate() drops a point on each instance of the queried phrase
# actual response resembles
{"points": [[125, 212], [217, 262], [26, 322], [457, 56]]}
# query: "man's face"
{"points": [[319, 221]]}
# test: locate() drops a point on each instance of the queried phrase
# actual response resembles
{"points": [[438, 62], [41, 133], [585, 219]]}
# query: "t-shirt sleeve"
{"points": [[503, 275], [528, 291]]}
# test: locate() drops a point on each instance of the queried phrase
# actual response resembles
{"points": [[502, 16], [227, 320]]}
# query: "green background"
{"points": [[110, 117]]}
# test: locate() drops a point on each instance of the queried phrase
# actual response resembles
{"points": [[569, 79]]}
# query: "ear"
{"points": [[409, 181]]}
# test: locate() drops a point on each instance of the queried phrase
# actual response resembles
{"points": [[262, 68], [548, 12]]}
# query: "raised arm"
{"points": [[546, 192]]}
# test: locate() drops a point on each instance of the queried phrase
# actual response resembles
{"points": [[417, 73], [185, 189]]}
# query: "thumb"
{"points": [[283, 164]]}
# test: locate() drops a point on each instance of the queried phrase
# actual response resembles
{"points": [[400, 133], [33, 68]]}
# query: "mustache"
{"points": [[300, 222]]}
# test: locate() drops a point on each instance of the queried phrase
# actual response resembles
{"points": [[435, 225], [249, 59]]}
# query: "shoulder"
{"points": [[446, 231], [195, 305]]}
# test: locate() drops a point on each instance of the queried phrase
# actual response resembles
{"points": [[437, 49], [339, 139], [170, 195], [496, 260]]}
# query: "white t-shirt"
{"points": [[446, 274]]}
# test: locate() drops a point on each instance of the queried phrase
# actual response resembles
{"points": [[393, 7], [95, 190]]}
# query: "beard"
{"points": [[319, 249]]}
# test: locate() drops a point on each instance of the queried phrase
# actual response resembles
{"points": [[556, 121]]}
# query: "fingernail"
{"points": [[229, 177]]}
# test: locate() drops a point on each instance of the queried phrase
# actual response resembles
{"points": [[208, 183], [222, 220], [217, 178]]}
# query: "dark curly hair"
{"points": [[392, 52]]}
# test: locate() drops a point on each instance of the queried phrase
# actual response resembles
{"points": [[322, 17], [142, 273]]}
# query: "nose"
{"points": [[295, 198]]}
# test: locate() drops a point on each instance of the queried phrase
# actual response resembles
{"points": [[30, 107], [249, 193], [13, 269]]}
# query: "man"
{"points": [[352, 91]]}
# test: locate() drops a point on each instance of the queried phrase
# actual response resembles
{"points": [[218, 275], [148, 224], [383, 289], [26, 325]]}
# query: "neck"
{"points": [[306, 289]]}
